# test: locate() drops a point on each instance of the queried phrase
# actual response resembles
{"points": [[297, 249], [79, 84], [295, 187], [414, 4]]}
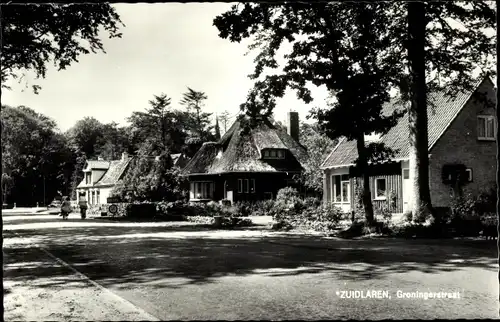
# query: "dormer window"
{"points": [[88, 177], [273, 154]]}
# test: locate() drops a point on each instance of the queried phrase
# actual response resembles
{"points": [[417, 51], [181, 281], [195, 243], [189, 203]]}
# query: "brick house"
{"points": [[462, 135], [247, 163]]}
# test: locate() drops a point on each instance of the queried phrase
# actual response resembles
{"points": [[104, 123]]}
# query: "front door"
{"points": [[406, 190]]}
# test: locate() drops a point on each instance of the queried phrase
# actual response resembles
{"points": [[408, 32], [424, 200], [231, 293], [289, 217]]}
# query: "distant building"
{"points": [[100, 177]]}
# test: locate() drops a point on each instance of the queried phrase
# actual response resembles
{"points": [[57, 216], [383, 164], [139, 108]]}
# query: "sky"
{"points": [[165, 48]]}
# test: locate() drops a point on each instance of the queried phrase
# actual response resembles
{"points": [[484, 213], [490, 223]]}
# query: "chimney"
{"points": [[292, 125], [124, 156], [99, 158]]}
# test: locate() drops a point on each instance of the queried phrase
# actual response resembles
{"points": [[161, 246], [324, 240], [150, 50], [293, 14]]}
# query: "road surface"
{"points": [[176, 271]]}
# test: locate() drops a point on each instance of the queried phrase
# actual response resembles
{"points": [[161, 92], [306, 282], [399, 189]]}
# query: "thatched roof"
{"points": [[240, 150]]}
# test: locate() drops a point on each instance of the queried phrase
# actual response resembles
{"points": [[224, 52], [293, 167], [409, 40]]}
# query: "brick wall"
{"points": [[459, 144]]}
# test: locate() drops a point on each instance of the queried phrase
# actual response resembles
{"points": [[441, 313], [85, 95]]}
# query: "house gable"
{"points": [[459, 144]]}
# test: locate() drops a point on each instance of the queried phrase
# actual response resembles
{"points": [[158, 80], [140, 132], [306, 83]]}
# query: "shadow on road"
{"points": [[131, 255]]}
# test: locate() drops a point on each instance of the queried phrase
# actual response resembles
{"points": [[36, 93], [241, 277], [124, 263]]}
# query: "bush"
{"points": [[287, 194], [243, 208], [408, 217], [384, 212], [172, 211], [263, 208], [291, 211]]}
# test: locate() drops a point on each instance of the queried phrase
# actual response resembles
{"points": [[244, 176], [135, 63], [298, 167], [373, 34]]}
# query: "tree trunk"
{"points": [[417, 116], [363, 167]]}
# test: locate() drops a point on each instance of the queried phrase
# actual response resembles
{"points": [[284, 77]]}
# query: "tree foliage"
{"points": [[36, 158], [87, 136], [151, 179], [224, 117], [199, 123], [318, 147], [34, 34], [327, 50], [217, 129], [354, 68]]}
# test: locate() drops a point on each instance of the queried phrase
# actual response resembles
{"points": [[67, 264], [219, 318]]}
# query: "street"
{"points": [[179, 271]]}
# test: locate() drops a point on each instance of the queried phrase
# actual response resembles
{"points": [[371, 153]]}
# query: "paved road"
{"points": [[179, 272]]}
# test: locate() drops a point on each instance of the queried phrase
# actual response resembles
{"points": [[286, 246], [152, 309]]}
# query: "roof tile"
{"points": [[442, 110]]}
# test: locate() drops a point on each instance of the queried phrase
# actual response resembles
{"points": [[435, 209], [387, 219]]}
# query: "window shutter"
{"points": [[490, 128], [481, 127]]}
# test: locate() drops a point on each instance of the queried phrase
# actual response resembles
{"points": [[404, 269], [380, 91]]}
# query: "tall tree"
{"points": [[34, 34], [113, 142], [417, 117], [200, 123], [446, 44], [456, 45], [153, 125], [217, 128], [160, 128], [87, 136], [36, 159], [351, 67], [224, 118]]}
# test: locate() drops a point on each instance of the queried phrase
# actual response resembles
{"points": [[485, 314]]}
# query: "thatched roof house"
{"points": [[250, 162]]}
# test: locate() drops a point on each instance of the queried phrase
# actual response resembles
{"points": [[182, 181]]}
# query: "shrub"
{"points": [[243, 208], [287, 194], [384, 212], [311, 202], [172, 211], [294, 212], [263, 208], [489, 220]]}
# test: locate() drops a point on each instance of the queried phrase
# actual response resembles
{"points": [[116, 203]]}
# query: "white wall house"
{"points": [[100, 177]]}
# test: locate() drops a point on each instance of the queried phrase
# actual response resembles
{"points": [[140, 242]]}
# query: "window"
{"points": [[87, 178], [202, 190], [246, 185], [273, 154], [486, 127], [93, 197], [469, 174], [380, 188], [406, 174], [98, 197], [341, 189]]}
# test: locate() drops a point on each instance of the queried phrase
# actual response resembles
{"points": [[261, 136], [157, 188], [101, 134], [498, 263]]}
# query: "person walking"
{"points": [[65, 207], [83, 208]]}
